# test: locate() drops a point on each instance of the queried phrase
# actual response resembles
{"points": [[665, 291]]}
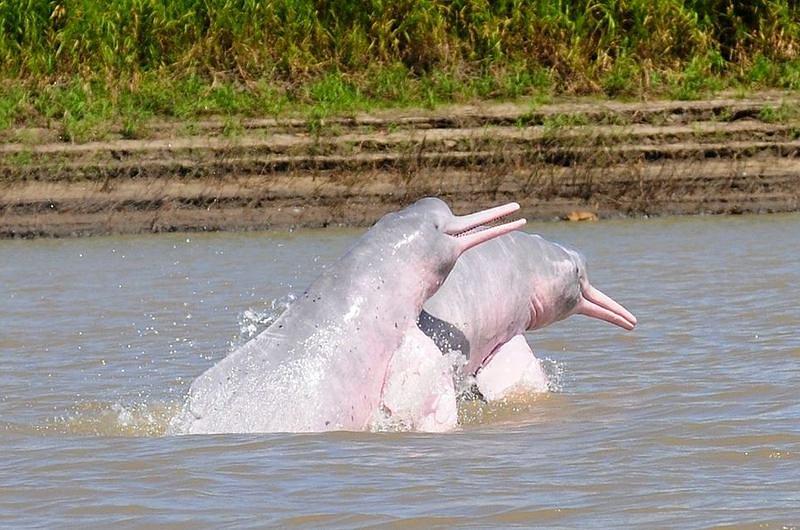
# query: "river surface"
{"points": [[690, 421]]}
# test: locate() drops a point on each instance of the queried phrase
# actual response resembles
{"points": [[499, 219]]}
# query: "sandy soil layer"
{"points": [[608, 159]]}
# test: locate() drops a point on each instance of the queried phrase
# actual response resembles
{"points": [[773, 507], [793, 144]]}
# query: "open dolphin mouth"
{"points": [[596, 304], [462, 226]]}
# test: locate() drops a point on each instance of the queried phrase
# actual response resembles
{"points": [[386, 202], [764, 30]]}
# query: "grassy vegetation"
{"points": [[86, 65], [778, 114]]}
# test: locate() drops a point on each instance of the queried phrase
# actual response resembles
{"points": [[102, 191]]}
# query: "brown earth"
{"points": [[582, 158]]}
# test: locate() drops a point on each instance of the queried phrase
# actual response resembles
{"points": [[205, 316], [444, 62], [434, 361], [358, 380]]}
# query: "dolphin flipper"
{"points": [[512, 367], [418, 392]]}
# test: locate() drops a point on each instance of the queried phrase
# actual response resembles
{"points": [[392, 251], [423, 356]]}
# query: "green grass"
{"points": [[782, 113], [88, 66], [560, 121], [22, 158]]}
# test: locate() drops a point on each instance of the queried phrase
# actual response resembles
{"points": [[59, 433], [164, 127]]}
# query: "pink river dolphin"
{"points": [[495, 292], [321, 365]]}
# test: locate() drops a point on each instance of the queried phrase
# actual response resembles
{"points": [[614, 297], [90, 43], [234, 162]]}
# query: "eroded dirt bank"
{"points": [[720, 156]]}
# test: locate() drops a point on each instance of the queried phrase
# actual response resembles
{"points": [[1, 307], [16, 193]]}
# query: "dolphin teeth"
{"points": [[476, 229], [487, 223]]}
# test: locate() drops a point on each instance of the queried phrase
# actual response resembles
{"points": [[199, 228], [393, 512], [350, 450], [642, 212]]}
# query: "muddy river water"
{"points": [[691, 420]]}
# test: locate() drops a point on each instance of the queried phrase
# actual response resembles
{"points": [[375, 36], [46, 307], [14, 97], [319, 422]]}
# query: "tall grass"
{"points": [[245, 56]]}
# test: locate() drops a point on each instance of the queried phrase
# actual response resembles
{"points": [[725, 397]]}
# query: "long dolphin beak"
{"points": [[464, 223], [594, 303]]}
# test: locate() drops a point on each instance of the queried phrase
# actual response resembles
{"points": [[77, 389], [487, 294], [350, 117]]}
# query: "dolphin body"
{"points": [[496, 292], [321, 365]]}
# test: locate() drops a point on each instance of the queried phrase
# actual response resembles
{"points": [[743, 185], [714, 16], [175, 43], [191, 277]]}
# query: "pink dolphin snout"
{"points": [[594, 303], [462, 227]]}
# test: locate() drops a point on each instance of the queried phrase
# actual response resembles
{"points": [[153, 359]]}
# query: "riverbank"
{"points": [[724, 155]]}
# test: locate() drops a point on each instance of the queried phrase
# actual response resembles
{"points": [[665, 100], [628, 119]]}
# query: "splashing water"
{"points": [[524, 406], [253, 321], [555, 374], [146, 417], [94, 418]]}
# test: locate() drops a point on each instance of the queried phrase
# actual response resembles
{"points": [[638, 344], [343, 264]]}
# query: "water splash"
{"points": [[253, 321], [94, 418], [519, 407], [555, 374]]}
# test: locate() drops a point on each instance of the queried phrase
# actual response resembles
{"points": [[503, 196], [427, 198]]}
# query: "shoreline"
{"points": [[596, 158]]}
